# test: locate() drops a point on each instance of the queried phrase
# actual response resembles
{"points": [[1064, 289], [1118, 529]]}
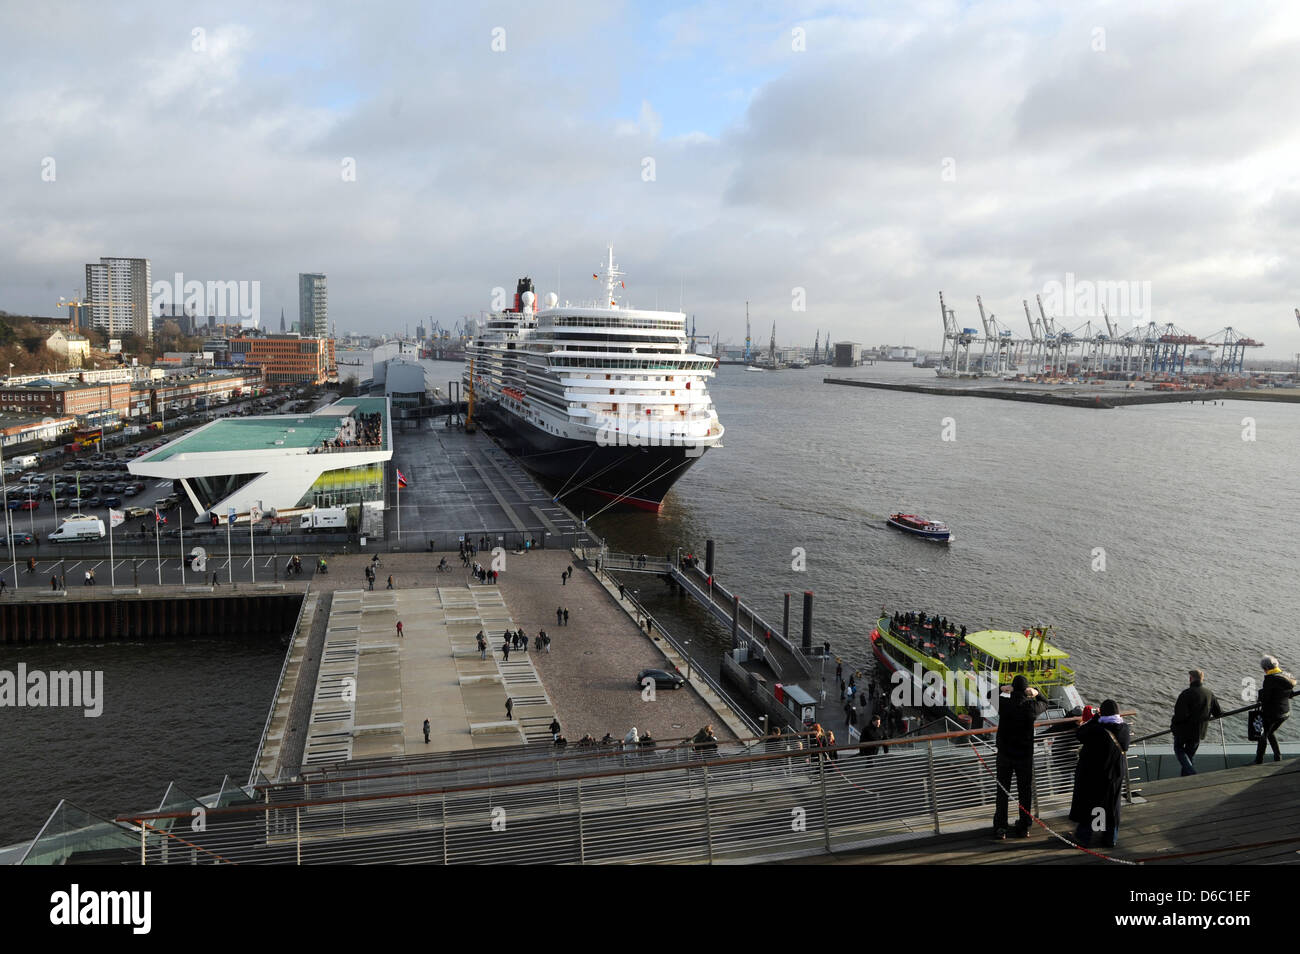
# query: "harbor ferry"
{"points": [[941, 666], [921, 527], [600, 397]]}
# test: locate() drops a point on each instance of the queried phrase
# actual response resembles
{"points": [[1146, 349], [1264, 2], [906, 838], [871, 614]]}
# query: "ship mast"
{"points": [[613, 280]]}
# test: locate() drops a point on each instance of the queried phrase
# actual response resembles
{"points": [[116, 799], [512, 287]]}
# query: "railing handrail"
{"points": [[279, 683], [1219, 718], [802, 752]]}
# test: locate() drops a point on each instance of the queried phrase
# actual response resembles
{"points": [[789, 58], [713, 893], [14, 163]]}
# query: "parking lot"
{"points": [[92, 482]]}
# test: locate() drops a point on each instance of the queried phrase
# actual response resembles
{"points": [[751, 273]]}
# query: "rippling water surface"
{"points": [[1198, 527]]}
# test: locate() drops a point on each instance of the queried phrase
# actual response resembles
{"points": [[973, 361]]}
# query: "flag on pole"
{"points": [[116, 517], [157, 517], [401, 480], [230, 515], [594, 276], [254, 514]]}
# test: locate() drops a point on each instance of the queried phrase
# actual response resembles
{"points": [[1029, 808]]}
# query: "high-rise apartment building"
{"points": [[313, 305], [118, 290]]}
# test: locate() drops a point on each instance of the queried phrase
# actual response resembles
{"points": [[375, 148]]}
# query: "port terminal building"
{"points": [[281, 464]]}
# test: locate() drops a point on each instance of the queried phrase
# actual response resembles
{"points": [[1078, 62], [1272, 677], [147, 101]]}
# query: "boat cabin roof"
{"points": [[1012, 647]]}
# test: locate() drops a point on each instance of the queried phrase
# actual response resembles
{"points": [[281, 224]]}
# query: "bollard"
{"points": [[708, 558], [735, 621], [785, 618], [807, 621]]}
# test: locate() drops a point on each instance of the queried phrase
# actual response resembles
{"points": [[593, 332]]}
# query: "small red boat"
{"points": [[920, 527]]}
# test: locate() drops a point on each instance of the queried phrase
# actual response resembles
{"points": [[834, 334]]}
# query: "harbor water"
{"points": [[1153, 539]]}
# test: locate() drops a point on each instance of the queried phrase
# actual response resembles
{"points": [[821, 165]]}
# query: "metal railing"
{"points": [[750, 800], [279, 684], [699, 671]]}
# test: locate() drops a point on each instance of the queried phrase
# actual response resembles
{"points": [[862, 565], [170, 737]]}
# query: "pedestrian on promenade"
{"points": [[546, 641], [399, 628], [564, 578], [505, 650], [1099, 775], [1195, 707], [559, 616], [3, 584], [874, 732], [1017, 711], [537, 641], [1274, 705], [482, 645], [215, 580], [566, 616], [426, 731], [54, 583], [570, 571], [620, 591], [555, 728], [87, 580], [370, 577], [839, 672], [390, 581], [510, 708], [495, 575]]}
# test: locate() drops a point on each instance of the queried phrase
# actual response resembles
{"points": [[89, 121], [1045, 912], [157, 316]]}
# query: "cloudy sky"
{"points": [[871, 155]]}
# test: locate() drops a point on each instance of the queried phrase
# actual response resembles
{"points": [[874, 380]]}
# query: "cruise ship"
{"points": [[601, 398]]}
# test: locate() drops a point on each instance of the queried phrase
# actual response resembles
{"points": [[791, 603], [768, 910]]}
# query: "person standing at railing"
{"points": [[1099, 775], [1017, 711], [1195, 707], [1274, 705]]}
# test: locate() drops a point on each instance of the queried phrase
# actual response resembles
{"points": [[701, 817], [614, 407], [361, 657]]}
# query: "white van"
{"points": [[324, 518], [79, 528]]}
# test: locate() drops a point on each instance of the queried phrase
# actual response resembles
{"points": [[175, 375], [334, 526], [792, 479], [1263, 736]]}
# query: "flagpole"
{"points": [[112, 571], [230, 563], [252, 562], [180, 526], [399, 508], [157, 544]]}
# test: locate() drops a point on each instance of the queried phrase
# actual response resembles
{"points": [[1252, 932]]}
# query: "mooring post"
{"points": [[807, 621], [735, 621], [785, 618], [708, 557]]}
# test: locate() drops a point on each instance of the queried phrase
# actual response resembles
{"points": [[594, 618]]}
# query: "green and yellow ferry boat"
{"points": [[933, 664]]}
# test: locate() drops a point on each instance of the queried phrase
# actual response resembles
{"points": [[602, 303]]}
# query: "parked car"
{"points": [[133, 489], [663, 679], [112, 501], [23, 539], [93, 502], [32, 504], [134, 512]]}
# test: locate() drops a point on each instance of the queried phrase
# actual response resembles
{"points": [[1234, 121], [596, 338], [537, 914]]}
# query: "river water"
{"points": [[1152, 538]]}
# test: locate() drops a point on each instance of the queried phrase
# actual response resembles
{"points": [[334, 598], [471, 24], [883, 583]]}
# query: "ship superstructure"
{"points": [[599, 397]]}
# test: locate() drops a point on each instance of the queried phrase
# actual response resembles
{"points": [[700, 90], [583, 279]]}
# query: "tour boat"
{"points": [[919, 526]]}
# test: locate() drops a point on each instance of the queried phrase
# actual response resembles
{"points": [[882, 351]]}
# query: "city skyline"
{"points": [[835, 168]]}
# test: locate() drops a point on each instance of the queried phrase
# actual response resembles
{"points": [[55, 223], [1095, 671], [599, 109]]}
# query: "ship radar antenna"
{"points": [[613, 280]]}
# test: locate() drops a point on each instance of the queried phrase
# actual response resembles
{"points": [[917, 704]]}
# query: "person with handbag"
{"points": [[1099, 775], [1274, 705]]}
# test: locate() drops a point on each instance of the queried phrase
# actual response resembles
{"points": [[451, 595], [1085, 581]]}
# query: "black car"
{"points": [[663, 679], [112, 501], [93, 502]]}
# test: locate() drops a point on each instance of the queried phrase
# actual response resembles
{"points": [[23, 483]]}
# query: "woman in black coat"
{"points": [[1099, 776], [1274, 705]]}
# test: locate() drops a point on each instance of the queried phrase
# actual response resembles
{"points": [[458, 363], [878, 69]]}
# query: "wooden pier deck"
{"points": [[1248, 815]]}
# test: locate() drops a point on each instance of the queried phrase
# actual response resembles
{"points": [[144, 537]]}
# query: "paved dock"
{"points": [[1102, 395], [1248, 815], [374, 689], [460, 483]]}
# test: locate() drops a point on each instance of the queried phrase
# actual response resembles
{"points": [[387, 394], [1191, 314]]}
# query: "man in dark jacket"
{"points": [[1016, 714], [1099, 775], [1274, 705], [1192, 713], [875, 732]]}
